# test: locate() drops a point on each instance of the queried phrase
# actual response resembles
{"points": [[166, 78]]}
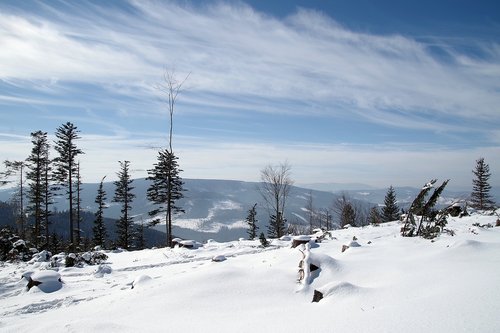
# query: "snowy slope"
{"points": [[387, 284]]}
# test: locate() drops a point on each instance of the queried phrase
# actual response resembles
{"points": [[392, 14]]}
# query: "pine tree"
{"points": [[140, 241], [390, 212], [251, 221], [374, 217], [99, 228], [66, 167], [165, 190], [480, 196], [37, 163], [124, 195], [263, 241], [49, 192], [78, 191], [348, 215], [276, 227]]}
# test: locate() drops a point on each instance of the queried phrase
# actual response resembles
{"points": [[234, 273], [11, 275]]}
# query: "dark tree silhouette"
{"points": [[480, 196], [124, 195], [165, 190], [390, 211], [66, 167]]}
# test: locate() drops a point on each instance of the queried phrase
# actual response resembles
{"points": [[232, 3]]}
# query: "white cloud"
{"points": [[244, 62], [234, 51]]}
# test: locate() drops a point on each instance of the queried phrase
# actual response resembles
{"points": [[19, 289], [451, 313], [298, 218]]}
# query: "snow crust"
{"points": [[388, 284]]}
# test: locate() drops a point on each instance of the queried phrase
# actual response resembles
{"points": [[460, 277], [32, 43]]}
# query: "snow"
{"points": [[388, 284]]}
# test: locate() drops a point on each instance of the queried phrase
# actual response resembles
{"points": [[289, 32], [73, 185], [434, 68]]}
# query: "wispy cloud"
{"points": [[103, 60], [235, 51]]}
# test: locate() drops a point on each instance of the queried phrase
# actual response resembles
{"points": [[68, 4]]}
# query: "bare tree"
{"points": [[171, 86], [344, 210], [16, 168], [275, 188], [310, 211]]}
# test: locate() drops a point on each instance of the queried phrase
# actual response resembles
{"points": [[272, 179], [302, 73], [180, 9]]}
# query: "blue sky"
{"points": [[380, 93]]}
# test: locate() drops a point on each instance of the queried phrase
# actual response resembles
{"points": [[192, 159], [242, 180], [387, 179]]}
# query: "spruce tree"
{"points": [[348, 215], [276, 227], [78, 191], [124, 195], [251, 221], [390, 211], [99, 228], [49, 189], [140, 240], [66, 167], [263, 241], [480, 196], [37, 163], [374, 217], [165, 190]]}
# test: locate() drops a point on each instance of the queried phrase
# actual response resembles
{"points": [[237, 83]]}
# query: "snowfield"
{"points": [[387, 284]]}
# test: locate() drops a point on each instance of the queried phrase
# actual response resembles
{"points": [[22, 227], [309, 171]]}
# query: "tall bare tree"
{"points": [[275, 186], [12, 169], [167, 185], [171, 86], [310, 211]]}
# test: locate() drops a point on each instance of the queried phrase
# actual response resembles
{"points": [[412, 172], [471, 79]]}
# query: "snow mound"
{"points": [[46, 281], [340, 289], [141, 280], [469, 243], [102, 270], [219, 258], [354, 244]]}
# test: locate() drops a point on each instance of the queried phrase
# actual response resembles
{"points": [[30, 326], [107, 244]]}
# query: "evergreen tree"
{"points": [[55, 243], [390, 212], [374, 217], [480, 196], [49, 189], [140, 241], [165, 190], [348, 215], [78, 191], [263, 240], [99, 228], [124, 195], [66, 167], [276, 227], [251, 220], [37, 163]]}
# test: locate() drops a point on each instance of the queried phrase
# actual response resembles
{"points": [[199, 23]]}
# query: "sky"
{"points": [[379, 93]]}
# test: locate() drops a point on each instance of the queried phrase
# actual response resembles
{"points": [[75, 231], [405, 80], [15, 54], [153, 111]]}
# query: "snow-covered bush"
{"points": [[89, 258], [13, 248]]}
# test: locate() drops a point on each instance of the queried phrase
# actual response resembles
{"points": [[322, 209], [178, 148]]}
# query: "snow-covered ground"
{"points": [[387, 284]]}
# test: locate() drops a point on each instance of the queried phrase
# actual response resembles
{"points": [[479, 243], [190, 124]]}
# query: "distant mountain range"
{"points": [[216, 209]]}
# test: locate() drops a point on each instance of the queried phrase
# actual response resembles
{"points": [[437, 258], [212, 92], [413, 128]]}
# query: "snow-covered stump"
{"points": [[298, 240]]}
